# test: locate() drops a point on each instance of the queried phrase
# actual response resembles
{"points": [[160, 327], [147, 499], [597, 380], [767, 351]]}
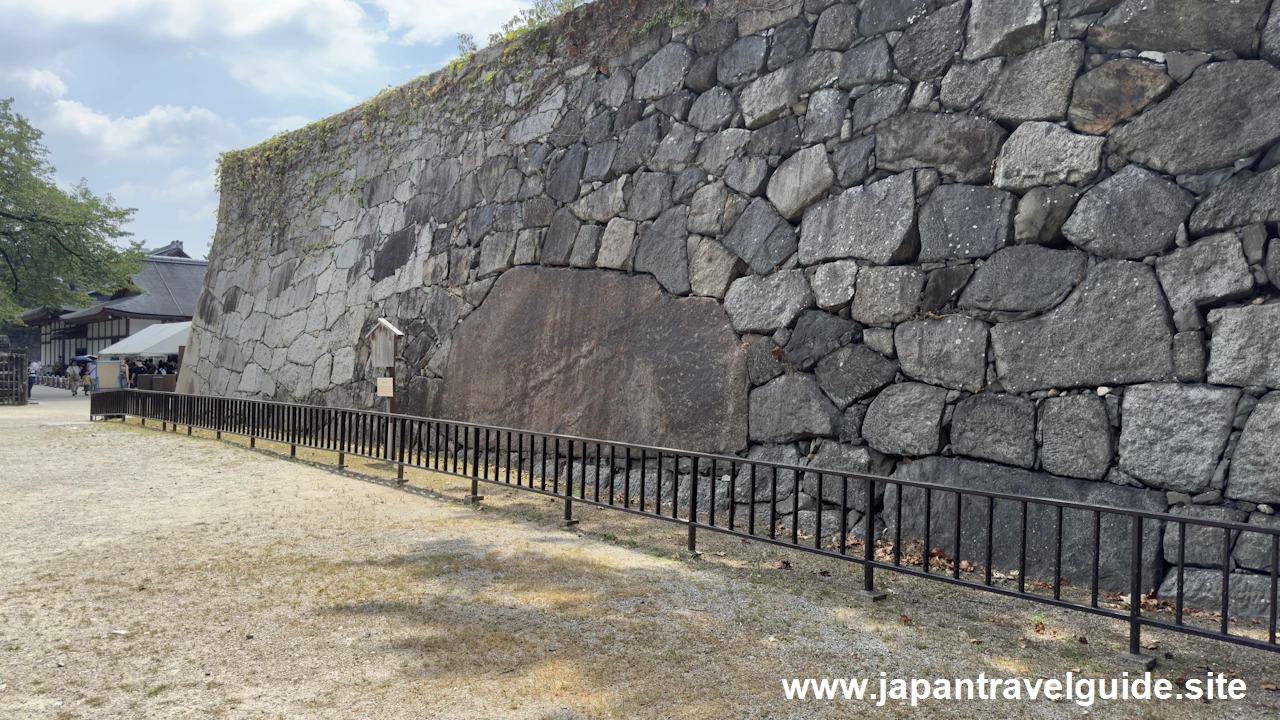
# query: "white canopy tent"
{"points": [[153, 341]]}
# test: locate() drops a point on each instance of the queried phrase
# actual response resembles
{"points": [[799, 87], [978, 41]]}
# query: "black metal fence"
{"points": [[1103, 560], [13, 379]]}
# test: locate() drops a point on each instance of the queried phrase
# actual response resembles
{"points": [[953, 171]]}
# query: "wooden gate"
{"points": [[13, 379]]}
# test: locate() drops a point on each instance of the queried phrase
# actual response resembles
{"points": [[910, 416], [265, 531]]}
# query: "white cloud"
{"points": [[44, 82], [433, 21], [163, 131]]}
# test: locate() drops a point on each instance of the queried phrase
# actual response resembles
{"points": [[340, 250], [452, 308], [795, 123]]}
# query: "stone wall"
{"points": [[1007, 244]]}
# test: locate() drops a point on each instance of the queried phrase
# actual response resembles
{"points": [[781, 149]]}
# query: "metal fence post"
{"points": [[869, 591], [1134, 657]]}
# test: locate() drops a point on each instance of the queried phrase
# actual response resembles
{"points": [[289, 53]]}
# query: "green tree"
{"points": [[56, 246]]}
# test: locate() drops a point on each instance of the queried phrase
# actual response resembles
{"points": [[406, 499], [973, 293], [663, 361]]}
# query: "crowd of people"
{"points": [[82, 373]]}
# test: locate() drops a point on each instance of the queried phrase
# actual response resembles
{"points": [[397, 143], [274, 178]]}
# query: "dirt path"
{"points": [[150, 575]]}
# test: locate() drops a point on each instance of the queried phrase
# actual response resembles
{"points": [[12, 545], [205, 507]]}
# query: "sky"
{"points": [[138, 97]]}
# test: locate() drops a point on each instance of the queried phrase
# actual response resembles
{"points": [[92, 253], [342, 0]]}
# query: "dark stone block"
{"points": [[394, 253], [675, 365]]}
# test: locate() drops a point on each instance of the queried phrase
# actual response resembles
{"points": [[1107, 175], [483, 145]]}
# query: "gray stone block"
{"points": [[789, 408], [1188, 356], [637, 145], [882, 16], [1132, 214], [790, 41], [951, 352], [853, 160], [1172, 436], [763, 364], [1113, 330], [1202, 546], [765, 99], [1244, 343], [906, 419], [943, 285], [995, 427], [780, 137], [886, 294], [713, 110], [599, 166], [557, 245], [1253, 549], [816, 333], [1273, 262], [587, 247], [664, 73], [662, 251], [866, 63], [851, 424], [1042, 212], [1249, 596], [676, 151], [1037, 85], [771, 483], [761, 237], [801, 179], [825, 115], [833, 283], [1024, 279], [1075, 437], [958, 145], [1244, 199], [853, 372], [1236, 107], [1003, 27], [648, 196], [1180, 25], [966, 83], [757, 303], [1115, 91], [928, 45], [719, 149], [873, 222], [1077, 525], [563, 184], [712, 268], [617, 245], [496, 253], [601, 205], [965, 221], [1041, 153], [878, 105], [852, 493], [1209, 271], [1255, 467], [836, 27]]}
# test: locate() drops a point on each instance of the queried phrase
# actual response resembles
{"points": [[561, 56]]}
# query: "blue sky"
{"points": [[139, 96]]}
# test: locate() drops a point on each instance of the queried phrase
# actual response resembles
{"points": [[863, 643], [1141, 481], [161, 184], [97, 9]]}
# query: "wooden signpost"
{"points": [[384, 337]]}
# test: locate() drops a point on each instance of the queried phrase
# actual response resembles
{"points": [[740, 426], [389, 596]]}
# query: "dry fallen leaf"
{"points": [[1270, 686], [1039, 628], [719, 554], [975, 641], [904, 620], [822, 571], [1151, 645], [782, 565]]}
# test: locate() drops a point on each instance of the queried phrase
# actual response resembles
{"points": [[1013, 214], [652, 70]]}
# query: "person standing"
{"points": [[33, 369], [73, 378], [123, 380], [92, 384]]}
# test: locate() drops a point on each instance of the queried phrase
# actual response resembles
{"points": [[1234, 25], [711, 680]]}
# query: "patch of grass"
{"points": [[158, 689]]}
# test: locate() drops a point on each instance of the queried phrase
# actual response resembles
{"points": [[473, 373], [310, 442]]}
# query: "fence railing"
{"points": [[1103, 560], [13, 379]]}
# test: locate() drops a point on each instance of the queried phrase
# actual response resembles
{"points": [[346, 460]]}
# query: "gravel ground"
{"points": [[149, 575]]}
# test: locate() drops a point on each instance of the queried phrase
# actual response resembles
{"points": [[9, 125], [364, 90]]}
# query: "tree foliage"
{"points": [[56, 246]]}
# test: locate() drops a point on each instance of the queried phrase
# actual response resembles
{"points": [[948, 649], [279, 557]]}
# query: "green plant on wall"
{"points": [[538, 15]]}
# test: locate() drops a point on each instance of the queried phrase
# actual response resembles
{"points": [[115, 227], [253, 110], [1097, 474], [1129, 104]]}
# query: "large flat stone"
{"points": [[1245, 346], [1114, 91], [663, 251], [996, 427], [1209, 271], [1165, 25], [886, 294], [928, 45], [800, 180], [873, 222], [965, 221], [1113, 330], [1075, 436], [817, 333], [1024, 279], [962, 146], [1226, 111], [906, 419], [1132, 214], [1077, 525], [1172, 436], [951, 352], [1244, 199], [544, 334], [791, 407], [1041, 153], [664, 73]]}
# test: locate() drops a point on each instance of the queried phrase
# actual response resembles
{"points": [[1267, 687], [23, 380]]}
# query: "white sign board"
{"points": [[386, 387]]}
